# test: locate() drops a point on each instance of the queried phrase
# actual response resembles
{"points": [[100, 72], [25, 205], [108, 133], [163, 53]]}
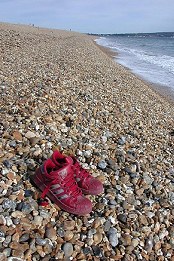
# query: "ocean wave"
{"points": [[163, 61], [152, 59]]}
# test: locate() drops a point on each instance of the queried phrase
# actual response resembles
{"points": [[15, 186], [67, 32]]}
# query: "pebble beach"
{"points": [[59, 90]]}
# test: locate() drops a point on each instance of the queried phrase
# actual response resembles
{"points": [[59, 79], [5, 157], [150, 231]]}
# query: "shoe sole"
{"points": [[51, 196]]}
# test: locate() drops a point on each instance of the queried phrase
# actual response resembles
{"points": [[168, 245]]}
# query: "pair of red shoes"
{"points": [[63, 180]]}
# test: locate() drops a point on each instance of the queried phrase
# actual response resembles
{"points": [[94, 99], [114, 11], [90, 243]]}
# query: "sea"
{"points": [[149, 55]]}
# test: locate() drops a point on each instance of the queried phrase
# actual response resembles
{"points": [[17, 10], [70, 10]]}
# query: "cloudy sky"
{"points": [[92, 16]]}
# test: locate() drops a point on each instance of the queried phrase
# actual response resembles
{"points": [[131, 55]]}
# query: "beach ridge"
{"points": [[59, 90]]}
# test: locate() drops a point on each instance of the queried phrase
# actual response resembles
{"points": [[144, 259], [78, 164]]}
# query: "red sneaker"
{"points": [[87, 183], [58, 183]]}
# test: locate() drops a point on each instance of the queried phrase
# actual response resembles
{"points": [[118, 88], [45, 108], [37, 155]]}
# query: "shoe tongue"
{"points": [[66, 168]]}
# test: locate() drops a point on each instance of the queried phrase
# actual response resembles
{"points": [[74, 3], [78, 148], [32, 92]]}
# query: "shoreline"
{"points": [[164, 91]]}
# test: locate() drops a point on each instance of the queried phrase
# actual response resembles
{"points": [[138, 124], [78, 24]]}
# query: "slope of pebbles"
{"points": [[60, 91]]}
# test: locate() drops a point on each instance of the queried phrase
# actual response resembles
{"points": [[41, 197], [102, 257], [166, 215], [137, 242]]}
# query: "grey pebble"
{"points": [[61, 232], [7, 164], [83, 237], [102, 164], [30, 164], [86, 250], [112, 164], [122, 218], [12, 143], [107, 226], [16, 221], [2, 234], [4, 171], [122, 140], [113, 202], [9, 221], [113, 236], [9, 204], [171, 197], [108, 170], [147, 179], [96, 250], [17, 187], [45, 214], [41, 241], [26, 208], [104, 201], [91, 232], [7, 252], [24, 237], [108, 134], [68, 249], [7, 241], [128, 170], [171, 171]]}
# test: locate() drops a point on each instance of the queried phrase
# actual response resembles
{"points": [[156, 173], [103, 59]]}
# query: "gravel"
{"points": [[60, 91]]}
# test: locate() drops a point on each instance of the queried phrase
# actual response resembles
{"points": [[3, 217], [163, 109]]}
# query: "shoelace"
{"points": [[69, 182]]}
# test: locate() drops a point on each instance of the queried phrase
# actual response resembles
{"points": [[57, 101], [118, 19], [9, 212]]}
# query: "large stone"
{"points": [[68, 249]]}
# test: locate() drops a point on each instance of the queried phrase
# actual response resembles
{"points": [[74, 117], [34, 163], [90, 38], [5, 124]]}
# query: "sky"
{"points": [[92, 16]]}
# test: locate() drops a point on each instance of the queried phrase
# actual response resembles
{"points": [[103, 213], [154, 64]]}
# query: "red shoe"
{"points": [[59, 185], [87, 183]]}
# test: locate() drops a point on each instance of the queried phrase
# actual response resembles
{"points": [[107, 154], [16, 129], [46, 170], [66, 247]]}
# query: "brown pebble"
{"points": [[17, 135], [51, 233], [143, 220], [116, 257], [98, 238], [139, 192], [96, 223], [34, 141], [81, 256], [18, 253], [68, 235], [126, 240], [157, 246], [11, 175], [69, 225], [59, 240]]}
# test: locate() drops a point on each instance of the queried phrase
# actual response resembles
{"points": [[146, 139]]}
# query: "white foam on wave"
{"points": [[151, 66], [164, 61]]}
